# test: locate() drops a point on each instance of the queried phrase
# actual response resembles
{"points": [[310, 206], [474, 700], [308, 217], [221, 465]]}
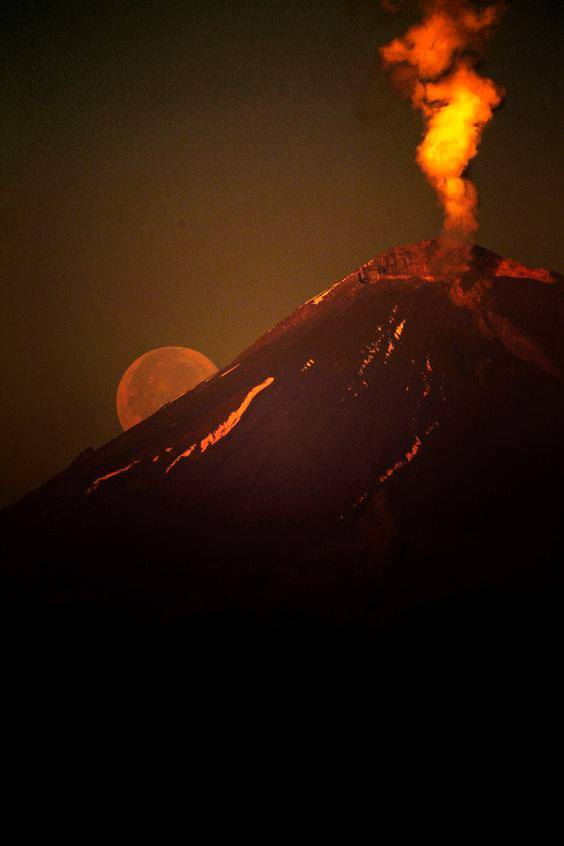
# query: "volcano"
{"points": [[387, 457]]}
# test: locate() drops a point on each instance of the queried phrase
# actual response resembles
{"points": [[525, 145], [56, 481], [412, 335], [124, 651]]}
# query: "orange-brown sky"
{"points": [[187, 173]]}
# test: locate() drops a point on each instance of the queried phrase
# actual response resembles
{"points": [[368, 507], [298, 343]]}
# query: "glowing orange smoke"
{"points": [[434, 64]]}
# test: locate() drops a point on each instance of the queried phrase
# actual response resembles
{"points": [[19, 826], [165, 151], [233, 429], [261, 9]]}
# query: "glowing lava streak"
{"points": [[97, 482], [227, 426], [185, 454], [235, 416], [409, 455], [433, 63]]}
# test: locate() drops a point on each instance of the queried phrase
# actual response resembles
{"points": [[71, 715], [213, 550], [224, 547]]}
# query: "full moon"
{"points": [[157, 377]]}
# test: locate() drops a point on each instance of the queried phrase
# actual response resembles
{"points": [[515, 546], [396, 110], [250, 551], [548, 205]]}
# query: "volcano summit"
{"points": [[389, 453]]}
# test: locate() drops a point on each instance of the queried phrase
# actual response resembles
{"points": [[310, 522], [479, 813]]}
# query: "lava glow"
{"points": [[508, 267], [97, 482], [433, 63], [409, 455], [235, 417], [226, 427], [212, 438]]}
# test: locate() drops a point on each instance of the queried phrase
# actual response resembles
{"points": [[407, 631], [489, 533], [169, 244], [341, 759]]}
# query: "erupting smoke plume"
{"points": [[433, 63]]}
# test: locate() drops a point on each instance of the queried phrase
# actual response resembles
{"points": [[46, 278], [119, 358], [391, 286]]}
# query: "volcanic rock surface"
{"points": [[390, 450]]}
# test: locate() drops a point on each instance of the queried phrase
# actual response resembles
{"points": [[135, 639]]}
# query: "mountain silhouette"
{"points": [[385, 459]]}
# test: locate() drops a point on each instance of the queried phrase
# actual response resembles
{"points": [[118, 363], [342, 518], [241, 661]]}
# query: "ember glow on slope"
{"points": [[433, 63], [210, 440]]}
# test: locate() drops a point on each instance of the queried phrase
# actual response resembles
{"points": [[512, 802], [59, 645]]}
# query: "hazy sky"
{"points": [[187, 173]]}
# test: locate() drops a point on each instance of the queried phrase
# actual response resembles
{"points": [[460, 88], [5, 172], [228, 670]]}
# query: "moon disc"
{"points": [[157, 377]]}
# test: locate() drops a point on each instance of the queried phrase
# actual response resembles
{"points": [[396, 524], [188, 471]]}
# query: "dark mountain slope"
{"points": [[393, 444]]}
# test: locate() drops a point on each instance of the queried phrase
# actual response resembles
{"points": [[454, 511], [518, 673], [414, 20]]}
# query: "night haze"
{"points": [[189, 173]]}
